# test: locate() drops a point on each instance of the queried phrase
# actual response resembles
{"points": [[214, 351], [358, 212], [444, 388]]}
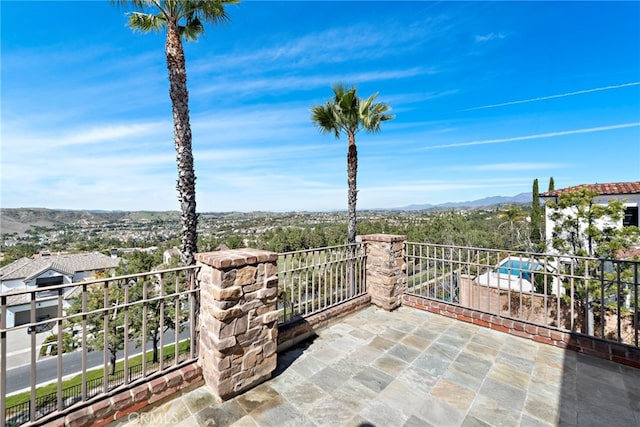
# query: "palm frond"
{"points": [[213, 11], [347, 112], [188, 16], [192, 29], [325, 119], [146, 22]]}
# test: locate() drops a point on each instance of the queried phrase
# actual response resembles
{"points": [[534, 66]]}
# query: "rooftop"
{"points": [[605, 189], [28, 268], [413, 368]]}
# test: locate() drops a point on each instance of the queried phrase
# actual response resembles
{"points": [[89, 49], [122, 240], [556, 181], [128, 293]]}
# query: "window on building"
{"points": [[49, 281], [630, 216]]}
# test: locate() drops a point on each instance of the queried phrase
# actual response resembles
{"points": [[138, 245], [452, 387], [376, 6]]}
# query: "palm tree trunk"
{"points": [[352, 170], [182, 137]]}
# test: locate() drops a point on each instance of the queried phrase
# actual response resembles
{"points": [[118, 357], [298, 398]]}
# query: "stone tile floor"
{"points": [[414, 368]]}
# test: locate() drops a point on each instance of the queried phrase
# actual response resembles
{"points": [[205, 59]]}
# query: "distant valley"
{"points": [[19, 220]]}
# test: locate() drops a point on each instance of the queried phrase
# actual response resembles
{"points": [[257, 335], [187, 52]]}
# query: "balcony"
{"points": [[415, 368], [384, 332]]}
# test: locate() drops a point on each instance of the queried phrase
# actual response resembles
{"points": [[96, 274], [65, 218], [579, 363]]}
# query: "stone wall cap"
{"points": [[388, 238], [235, 258]]}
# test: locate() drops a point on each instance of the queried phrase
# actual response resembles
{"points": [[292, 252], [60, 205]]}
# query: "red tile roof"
{"points": [[611, 188]]}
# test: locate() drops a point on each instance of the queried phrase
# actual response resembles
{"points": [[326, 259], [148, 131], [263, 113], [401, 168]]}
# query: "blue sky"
{"points": [[487, 97]]}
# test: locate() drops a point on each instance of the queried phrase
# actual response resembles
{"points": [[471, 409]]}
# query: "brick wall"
{"points": [[111, 407], [620, 353]]}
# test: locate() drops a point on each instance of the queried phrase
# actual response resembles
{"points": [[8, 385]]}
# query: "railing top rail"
{"points": [[513, 252], [346, 245]]}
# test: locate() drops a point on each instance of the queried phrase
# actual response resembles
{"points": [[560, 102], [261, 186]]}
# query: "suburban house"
{"points": [[42, 272], [627, 192]]}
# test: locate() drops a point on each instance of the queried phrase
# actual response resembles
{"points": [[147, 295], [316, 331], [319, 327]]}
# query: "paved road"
{"points": [[47, 369]]}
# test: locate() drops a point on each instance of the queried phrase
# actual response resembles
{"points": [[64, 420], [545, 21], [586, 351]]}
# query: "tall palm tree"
{"points": [[181, 19], [348, 113]]}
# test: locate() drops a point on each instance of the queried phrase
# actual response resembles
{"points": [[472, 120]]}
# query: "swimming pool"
{"points": [[520, 268]]}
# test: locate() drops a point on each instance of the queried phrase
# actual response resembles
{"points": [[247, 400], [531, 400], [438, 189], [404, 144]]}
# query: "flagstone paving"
{"points": [[413, 368]]}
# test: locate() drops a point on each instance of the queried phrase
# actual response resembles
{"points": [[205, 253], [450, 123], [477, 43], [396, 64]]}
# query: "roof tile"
{"points": [[605, 189]]}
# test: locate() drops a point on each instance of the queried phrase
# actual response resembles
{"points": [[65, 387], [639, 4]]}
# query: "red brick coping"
{"points": [[111, 407], [236, 258], [620, 353]]}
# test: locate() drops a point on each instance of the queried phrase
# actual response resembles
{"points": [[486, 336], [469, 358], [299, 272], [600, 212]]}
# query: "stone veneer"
{"points": [[238, 318], [385, 269]]}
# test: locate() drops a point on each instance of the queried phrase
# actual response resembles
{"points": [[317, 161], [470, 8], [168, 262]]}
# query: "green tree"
{"points": [[181, 19], [537, 235], [552, 185], [516, 232], [348, 113], [138, 262], [583, 227], [234, 241], [14, 253], [162, 312], [107, 327]]}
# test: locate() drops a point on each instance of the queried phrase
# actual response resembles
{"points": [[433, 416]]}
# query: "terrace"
{"points": [[382, 333]]}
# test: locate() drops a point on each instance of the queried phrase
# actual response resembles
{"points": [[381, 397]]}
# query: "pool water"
{"points": [[519, 268]]}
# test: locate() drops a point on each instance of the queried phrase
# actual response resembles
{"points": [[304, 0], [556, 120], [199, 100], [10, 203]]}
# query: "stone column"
{"points": [[386, 269], [238, 319]]}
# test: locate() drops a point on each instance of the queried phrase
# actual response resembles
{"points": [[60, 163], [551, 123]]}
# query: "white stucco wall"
{"points": [[631, 200], [12, 285]]}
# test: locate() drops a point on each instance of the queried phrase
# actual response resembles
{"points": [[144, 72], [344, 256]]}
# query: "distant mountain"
{"points": [[521, 198]]}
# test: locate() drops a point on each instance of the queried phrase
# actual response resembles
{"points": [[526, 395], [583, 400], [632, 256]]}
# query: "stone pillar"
{"points": [[386, 269], [238, 319]]}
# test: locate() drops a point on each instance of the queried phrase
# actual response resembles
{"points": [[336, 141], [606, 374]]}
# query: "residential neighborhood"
{"points": [[42, 273]]}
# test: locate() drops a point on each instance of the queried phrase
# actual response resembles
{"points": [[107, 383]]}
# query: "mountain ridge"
{"points": [[520, 198]]}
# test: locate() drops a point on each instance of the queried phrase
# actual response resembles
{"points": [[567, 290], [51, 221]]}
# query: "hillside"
{"points": [[522, 198], [19, 220]]}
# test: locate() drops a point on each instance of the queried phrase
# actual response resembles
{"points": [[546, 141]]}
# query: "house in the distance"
{"points": [[627, 192], [44, 271]]}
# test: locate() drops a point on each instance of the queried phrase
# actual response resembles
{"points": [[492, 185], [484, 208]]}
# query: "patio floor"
{"points": [[414, 368]]}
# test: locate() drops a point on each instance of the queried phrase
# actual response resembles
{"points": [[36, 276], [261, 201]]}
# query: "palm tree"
{"points": [[182, 19], [348, 113]]}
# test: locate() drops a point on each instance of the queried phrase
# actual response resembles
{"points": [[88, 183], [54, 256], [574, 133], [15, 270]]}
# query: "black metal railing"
{"points": [[108, 317], [592, 296], [45, 404], [313, 280]]}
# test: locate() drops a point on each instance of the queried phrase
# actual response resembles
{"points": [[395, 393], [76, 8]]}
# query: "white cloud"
{"points": [[535, 136], [297, 83], [561, 95], [488, 37]]}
